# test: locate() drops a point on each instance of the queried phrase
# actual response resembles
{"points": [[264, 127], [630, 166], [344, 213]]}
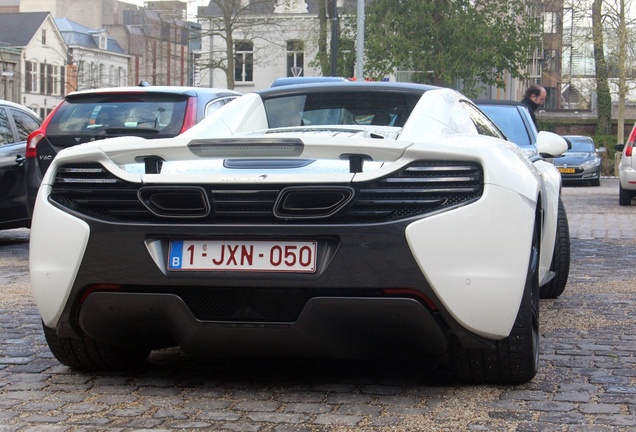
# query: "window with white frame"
{"points": [[551, 22], [43, 36], [243, 62], [295, 58], [31, 77]]}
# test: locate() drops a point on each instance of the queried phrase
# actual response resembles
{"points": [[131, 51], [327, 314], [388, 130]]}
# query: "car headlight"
{"points": [[591, 163]]}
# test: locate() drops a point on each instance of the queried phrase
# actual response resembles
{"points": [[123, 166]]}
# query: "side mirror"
{"points": [[551, 145], [619, 147]]}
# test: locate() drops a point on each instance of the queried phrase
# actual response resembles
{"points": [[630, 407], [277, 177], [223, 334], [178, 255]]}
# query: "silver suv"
{"points": [[627, 170]]}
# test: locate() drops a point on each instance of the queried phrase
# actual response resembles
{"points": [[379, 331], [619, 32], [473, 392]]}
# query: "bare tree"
{"points": [[618, 23], [604, 100], [237, 24]]}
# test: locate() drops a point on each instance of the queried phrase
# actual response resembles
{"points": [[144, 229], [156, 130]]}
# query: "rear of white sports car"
{"points": [[322, 242]]}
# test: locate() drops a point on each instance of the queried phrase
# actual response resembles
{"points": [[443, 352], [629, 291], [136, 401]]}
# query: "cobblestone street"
{"points": [[586, 380]]}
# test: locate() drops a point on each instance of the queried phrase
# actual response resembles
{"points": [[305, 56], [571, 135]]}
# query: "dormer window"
{"points": [[103, 42]]}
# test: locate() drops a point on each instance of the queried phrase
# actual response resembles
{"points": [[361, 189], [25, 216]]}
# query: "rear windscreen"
{"points": [[340, 108], [156, 116]]}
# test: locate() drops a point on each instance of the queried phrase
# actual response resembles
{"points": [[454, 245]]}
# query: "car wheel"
{"points": [[88, 354], [624, 196], [596, 182], [560, 265], [514, 359]]}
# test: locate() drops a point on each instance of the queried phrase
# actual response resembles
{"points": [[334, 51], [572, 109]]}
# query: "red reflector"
{"points": [[411, 293], [98, 287]]}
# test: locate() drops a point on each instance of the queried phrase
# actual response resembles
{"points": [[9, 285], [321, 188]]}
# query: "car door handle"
{"points": [[19, 160]]}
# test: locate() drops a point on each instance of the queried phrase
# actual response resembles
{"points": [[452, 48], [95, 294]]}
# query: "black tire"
{"points": [[624, 196], [560, 265], [596, 182], [515, 359], [88, 354]]}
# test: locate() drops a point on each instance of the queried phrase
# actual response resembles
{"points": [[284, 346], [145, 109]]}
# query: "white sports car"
{"points": [[323, 220]]}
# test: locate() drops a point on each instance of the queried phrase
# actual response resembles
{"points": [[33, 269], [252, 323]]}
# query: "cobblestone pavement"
{"points": [[586, 382]]}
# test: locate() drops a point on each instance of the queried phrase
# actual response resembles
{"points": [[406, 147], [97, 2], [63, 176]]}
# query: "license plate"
{"points": [[567, 170], [221, 255]]}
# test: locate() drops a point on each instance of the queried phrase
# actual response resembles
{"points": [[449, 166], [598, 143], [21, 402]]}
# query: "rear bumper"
{"points": [[326, 327], [627, 177], [437, 277]]}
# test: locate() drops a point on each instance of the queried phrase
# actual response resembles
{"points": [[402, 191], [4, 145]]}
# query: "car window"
{"points": [[216, 104], [482, 123], [508, 119], [339, 108], [24, 123], [102, 115], [6, 136]]}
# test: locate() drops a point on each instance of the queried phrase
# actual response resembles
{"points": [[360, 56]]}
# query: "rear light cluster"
{"points": [[190, 118], [38, 135], [630, 142]]}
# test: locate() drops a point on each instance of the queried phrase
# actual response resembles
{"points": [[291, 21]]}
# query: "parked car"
{"points": [[142, 111], [16, 122], [581, 163], [287, 223], [627, 170], [515, 122]]}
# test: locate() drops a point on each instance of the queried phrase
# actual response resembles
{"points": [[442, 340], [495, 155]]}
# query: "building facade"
{"points": [[157, 41], [41, 76], [271, 39]]}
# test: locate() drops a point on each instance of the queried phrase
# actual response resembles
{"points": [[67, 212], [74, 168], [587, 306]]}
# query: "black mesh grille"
{"points": [[419, 188]]}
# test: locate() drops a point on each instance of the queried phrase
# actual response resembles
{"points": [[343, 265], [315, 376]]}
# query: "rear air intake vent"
{"points": [[417, 189]]}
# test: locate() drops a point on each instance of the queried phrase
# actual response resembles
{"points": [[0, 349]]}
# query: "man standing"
{"points": [[534, 96]]}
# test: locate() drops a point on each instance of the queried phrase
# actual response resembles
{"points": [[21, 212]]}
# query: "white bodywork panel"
{"points": [[475, 256]]}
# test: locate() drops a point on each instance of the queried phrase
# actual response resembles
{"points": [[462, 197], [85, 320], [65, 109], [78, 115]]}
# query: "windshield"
{"points": [[142, 115], [340, 108], [582, 145]]}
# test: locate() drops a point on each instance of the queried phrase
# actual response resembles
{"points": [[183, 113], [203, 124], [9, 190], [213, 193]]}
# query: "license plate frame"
{"points": [[567, 170], [288, 256]]}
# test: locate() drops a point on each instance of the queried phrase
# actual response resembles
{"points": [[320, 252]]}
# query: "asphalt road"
{"points": [[586, 382]]}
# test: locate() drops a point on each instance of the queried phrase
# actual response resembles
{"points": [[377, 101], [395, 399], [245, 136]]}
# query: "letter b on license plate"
{"points": [[220, 255]]}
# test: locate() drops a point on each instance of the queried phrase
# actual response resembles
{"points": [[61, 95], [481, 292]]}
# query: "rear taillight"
{"points": [[38, 135], [32, 142], [630, 142], [190, 118]]}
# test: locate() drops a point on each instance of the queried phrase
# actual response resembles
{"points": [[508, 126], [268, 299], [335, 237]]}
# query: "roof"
{"points": [[496, 102], [76, 34], [180, 90], [17, 29], [351, 86]]}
